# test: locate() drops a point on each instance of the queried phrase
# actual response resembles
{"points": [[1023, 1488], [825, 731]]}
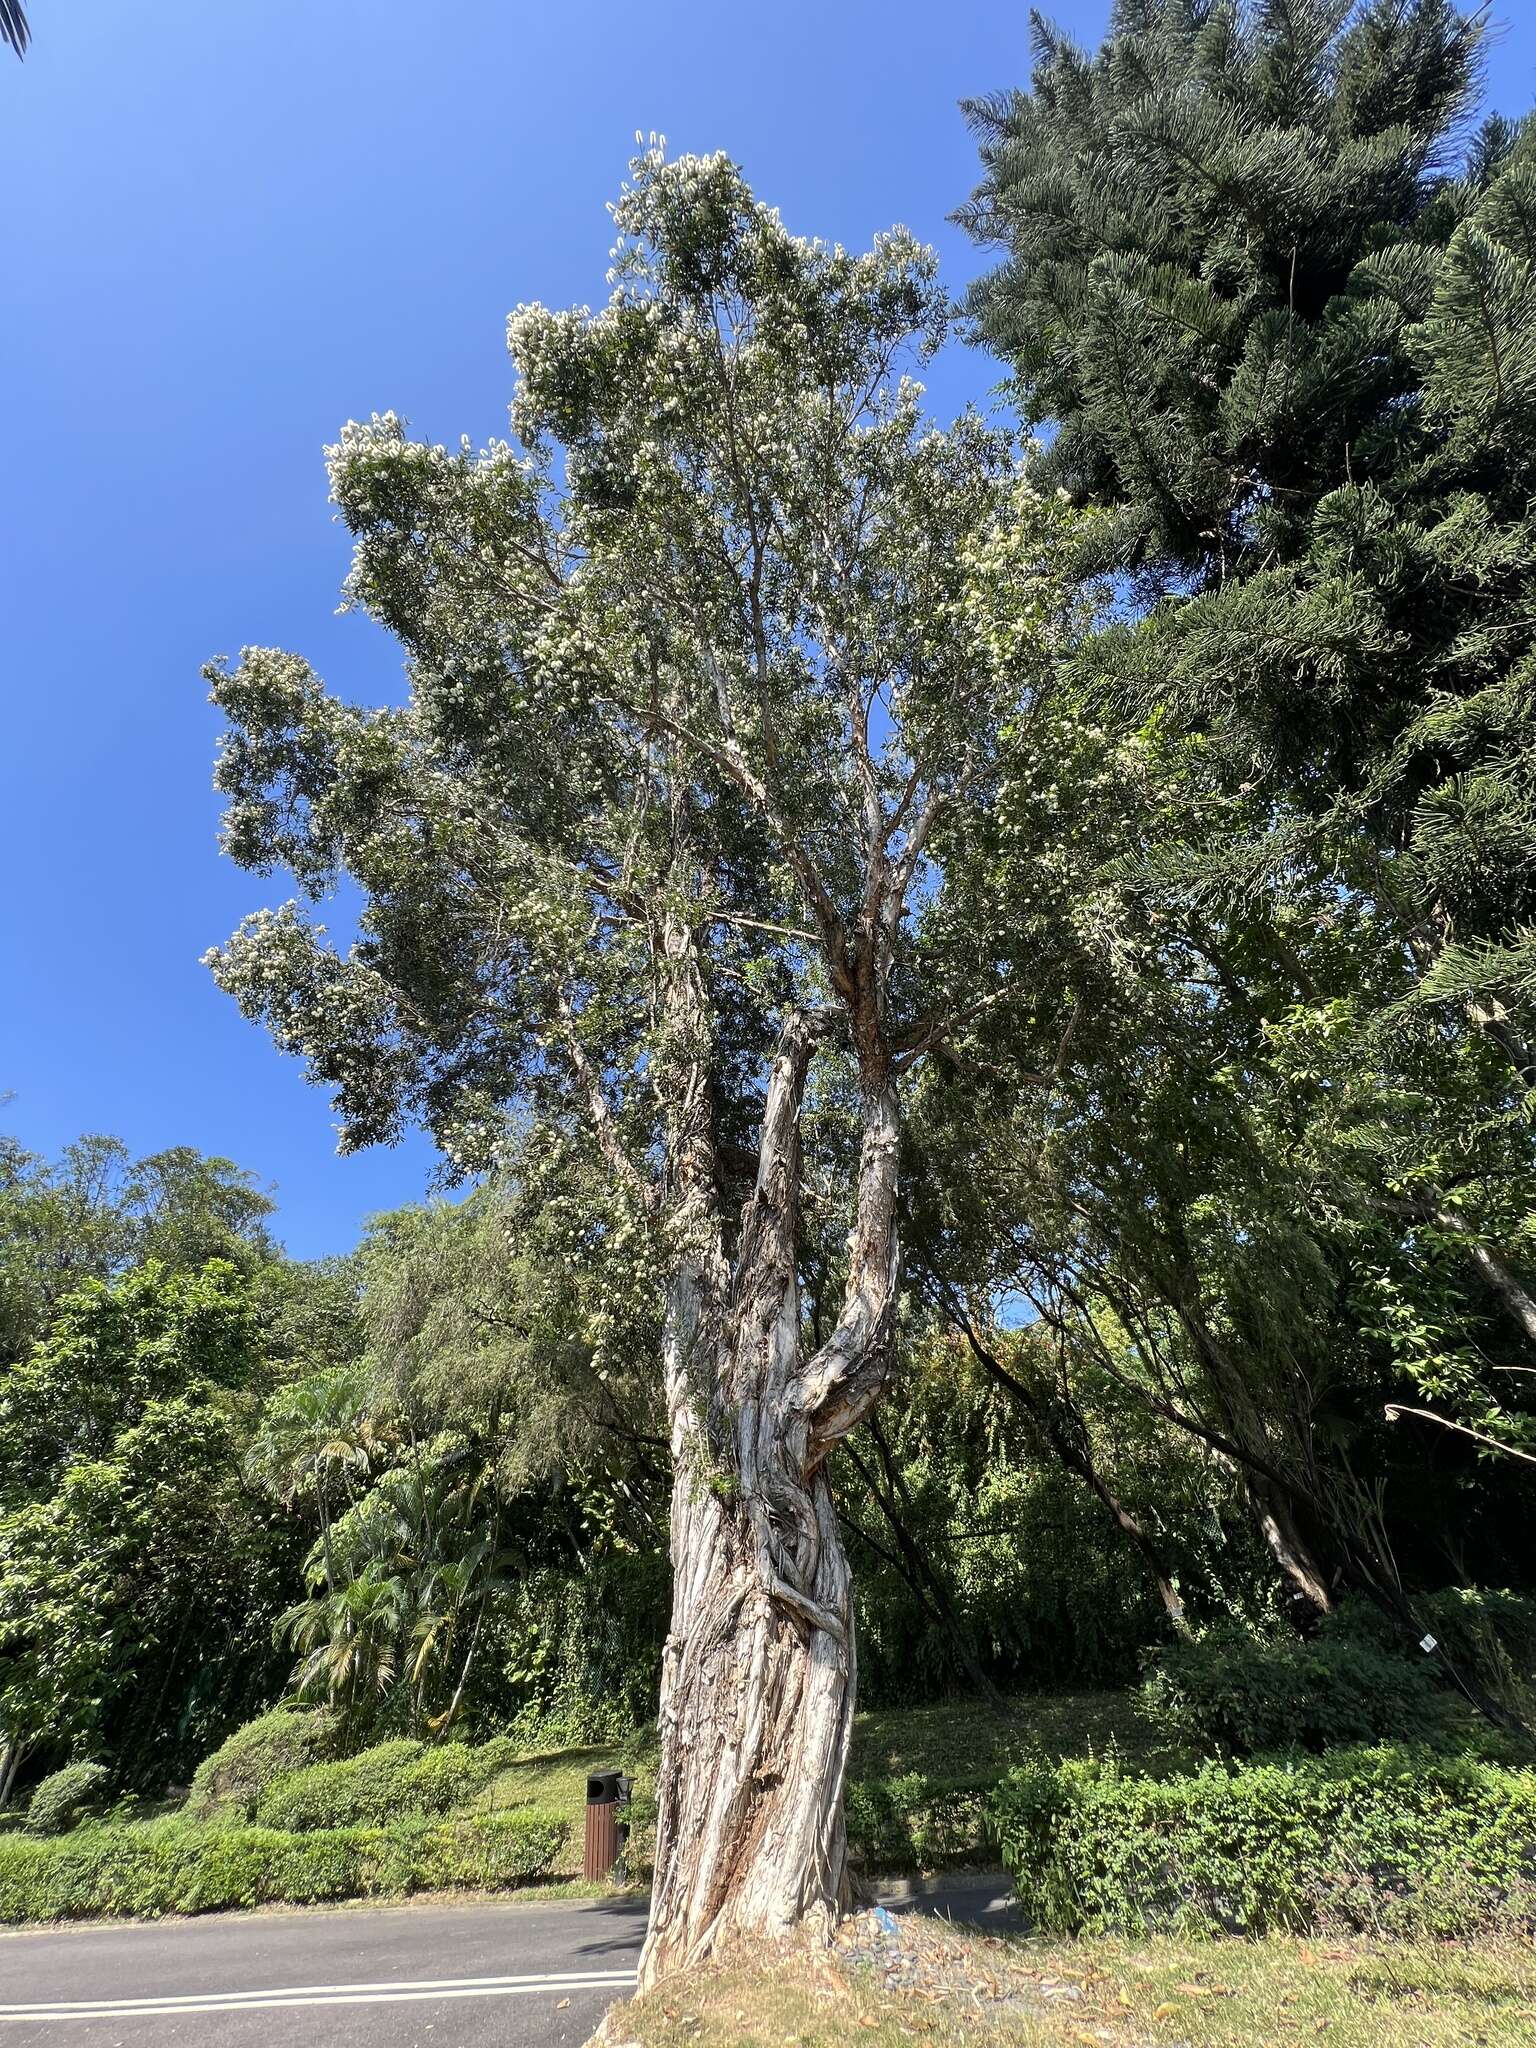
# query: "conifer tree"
{"points": [[1291, 348], [1282, 325]]}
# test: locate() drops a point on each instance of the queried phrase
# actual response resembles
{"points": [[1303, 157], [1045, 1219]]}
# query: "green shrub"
{"points": [[379, 1784], [1230, 1690], [329, 1795], [236, 1774], [1492, 1634], [1466, 1618], [916, 1822], [1402, 1842], [178, 1866], [452, 1774], [65, 1797]]}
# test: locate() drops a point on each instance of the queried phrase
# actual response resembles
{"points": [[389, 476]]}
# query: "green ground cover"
{"points": [[1107, 1826], [964, 1739]]}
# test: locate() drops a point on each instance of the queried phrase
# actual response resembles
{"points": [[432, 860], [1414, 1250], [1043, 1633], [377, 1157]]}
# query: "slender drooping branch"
{"points": [[604, 1127], [916, 1569], [1394, 1409], [1072, 1447]]}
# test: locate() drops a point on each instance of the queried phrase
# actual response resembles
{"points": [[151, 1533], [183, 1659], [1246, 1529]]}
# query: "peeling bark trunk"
{"points": [[756, 1715], [1292, 1555], [759, 1667]]}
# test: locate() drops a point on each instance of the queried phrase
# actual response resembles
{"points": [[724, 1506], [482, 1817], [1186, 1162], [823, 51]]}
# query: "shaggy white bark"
{"points": [[759, 1669]]}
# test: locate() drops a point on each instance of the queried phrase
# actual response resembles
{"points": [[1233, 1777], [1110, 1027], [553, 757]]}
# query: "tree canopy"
{"points": [[975, 994]]}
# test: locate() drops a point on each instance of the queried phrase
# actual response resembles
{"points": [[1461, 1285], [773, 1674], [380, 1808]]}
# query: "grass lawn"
{"points": [[1105, 1994], [557, 1783], [968, 1739], [959, 1739]]}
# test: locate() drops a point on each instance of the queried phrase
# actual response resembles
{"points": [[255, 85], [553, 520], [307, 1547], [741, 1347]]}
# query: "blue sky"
{"points": [[228, 229]]}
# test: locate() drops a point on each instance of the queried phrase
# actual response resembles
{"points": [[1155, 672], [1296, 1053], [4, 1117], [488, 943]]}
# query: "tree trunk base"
{"points": [[756, 1717]]}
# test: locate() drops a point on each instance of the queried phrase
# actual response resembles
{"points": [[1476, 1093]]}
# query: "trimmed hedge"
{"points": [[177, 1866], [235, 1775], [66, 1796], [383, 1783], [1394, 1841]]}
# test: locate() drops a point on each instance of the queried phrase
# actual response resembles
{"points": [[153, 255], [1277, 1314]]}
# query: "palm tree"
{"points": [[350, 1636], [399, 1583], [444, 1594], [13, 26], [311, 1433]]}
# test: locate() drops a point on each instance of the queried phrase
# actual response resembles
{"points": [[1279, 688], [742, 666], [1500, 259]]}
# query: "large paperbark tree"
{"points": [[705, 672]]}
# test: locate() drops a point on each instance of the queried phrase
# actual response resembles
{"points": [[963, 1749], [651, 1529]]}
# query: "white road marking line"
{"points": [[314, 1990], [384, 1993]]}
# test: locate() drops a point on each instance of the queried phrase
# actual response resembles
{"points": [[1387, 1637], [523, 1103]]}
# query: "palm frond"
{"points": [[13, 26]]}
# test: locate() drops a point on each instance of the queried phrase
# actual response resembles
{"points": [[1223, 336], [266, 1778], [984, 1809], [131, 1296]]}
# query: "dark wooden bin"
{"points": [[605, 1799]]}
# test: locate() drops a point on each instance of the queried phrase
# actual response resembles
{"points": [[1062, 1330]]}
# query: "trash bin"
{"points": [[607, 1796]]}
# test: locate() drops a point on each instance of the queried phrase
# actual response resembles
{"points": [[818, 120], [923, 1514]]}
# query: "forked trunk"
{"points": [[758, 1672]]}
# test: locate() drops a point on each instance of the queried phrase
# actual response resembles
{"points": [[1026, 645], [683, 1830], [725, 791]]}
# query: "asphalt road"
{"points": [[521, 1974], [459, 1976]]}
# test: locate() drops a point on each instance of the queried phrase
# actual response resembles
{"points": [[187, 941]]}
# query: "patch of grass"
{"points": [[1380, 1996], [1108, 1994], [556, 1782]]}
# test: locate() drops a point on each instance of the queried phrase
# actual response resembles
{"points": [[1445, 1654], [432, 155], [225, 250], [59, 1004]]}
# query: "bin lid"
{"points": [[603, 1788]]}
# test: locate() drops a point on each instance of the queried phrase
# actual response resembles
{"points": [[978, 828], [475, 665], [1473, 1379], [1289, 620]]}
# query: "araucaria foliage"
{"points": [[1293, 357], [703, 679], [1284, 321]]}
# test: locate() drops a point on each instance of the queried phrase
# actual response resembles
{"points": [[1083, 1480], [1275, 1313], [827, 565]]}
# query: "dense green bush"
{"points": [[570, 1659], [1396, 1841], [1231, 1690], [64, 1797], [178, 1866], [236, 1774], [1492, 1634], [379, 1784], [350, 1791], [915, 1822]]}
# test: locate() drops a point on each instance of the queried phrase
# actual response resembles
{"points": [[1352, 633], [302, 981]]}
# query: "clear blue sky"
{"points": [[228, 228]]}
